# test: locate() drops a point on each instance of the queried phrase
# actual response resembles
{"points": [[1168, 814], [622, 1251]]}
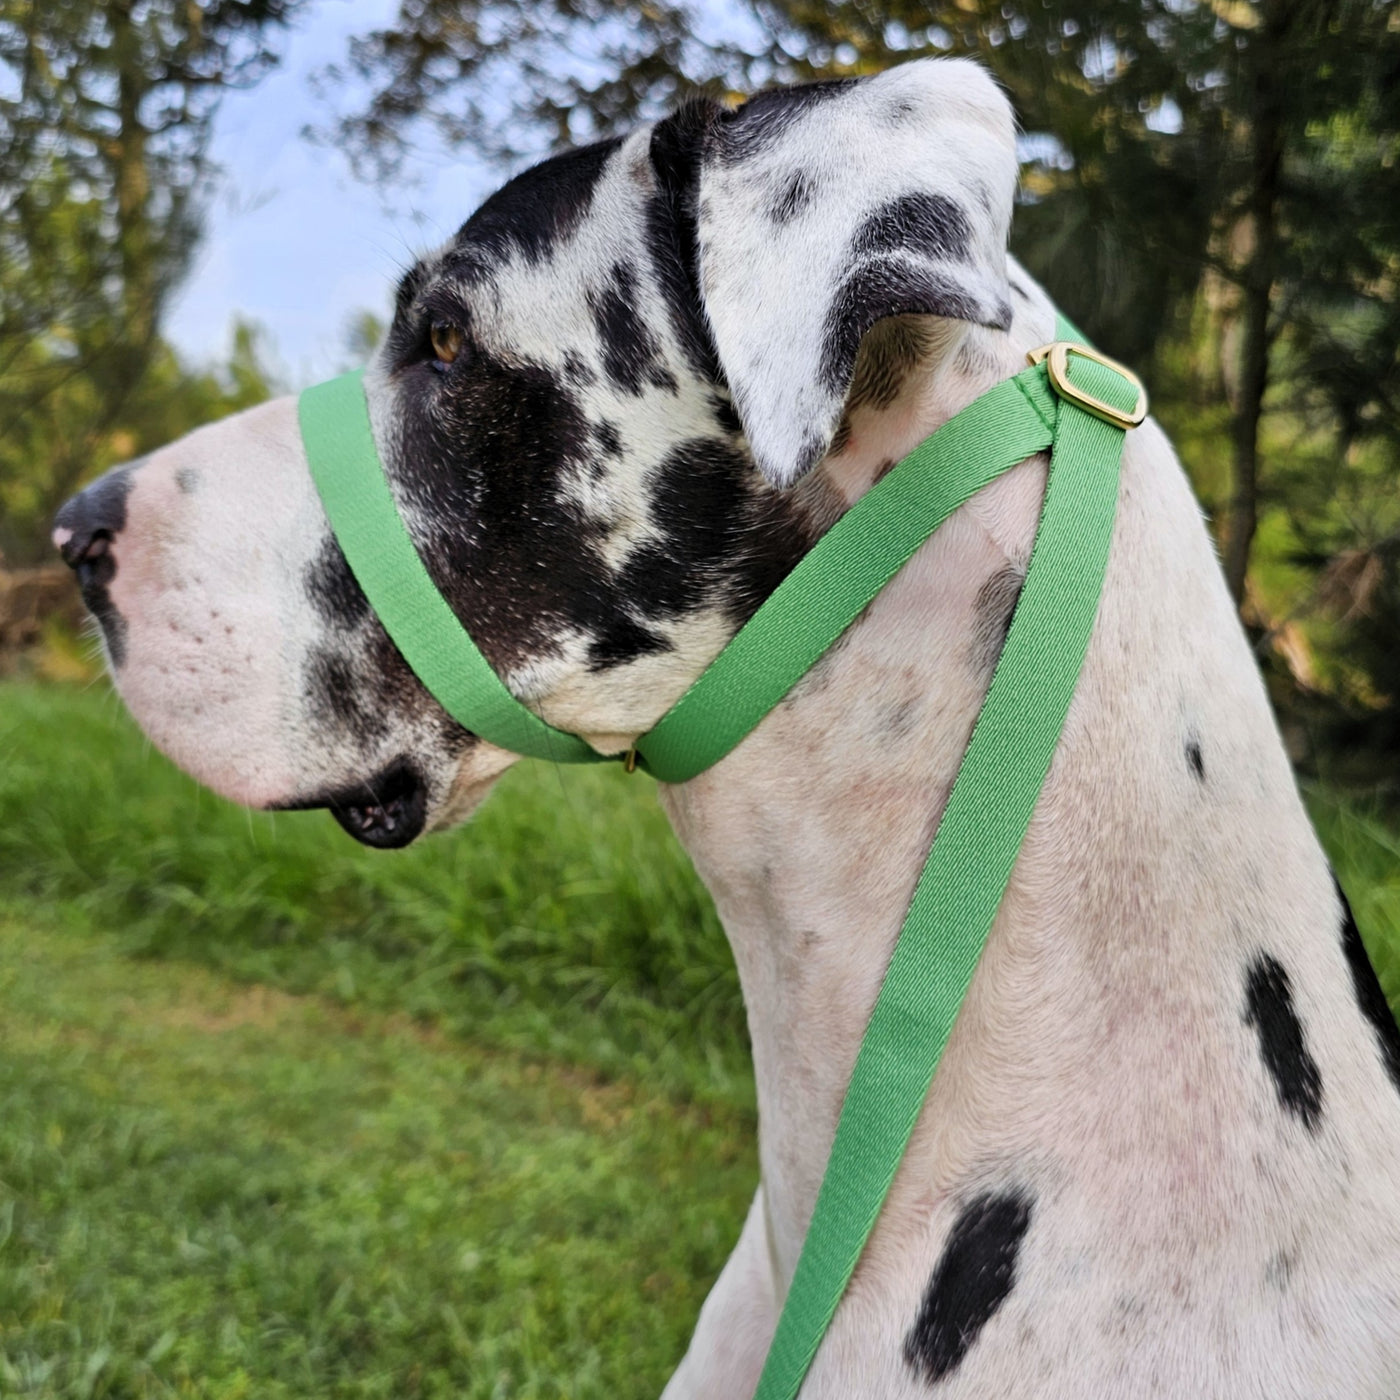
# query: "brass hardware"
{"points": [[1056, 357], [629, 764]]}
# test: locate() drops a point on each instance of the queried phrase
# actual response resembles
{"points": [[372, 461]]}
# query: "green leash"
{"points": [[1071, 400]]}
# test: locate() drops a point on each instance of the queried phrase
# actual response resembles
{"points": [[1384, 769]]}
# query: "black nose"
{"points": [[85, 526]]}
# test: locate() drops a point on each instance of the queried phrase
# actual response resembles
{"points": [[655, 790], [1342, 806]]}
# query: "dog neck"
{"points": [[1091, 1032]]}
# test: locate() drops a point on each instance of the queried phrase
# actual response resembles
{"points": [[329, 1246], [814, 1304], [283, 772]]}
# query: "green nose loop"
{"points": [[364, 515]]}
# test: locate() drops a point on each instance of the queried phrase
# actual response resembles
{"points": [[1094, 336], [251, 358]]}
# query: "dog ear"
{"points": [[824, 209]]}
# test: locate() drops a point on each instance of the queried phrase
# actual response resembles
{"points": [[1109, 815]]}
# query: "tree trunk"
{"points": [[1256, 287]]}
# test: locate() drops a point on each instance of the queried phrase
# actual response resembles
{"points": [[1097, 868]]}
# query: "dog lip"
{"points": [[386, 812]]}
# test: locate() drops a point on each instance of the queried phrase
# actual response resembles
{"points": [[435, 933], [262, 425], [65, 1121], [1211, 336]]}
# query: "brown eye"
{"points": [[447, 341]]}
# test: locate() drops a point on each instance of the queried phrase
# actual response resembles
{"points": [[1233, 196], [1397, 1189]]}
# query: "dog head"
{"points": [[600, 407]]}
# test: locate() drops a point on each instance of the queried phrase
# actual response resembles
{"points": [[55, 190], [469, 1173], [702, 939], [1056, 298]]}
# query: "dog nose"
{"points": [[86, 525]]}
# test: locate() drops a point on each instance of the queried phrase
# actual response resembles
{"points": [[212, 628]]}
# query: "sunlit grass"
{"points": [[224, 1191]]}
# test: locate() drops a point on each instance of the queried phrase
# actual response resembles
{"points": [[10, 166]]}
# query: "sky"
{"points": [[293, 241]]}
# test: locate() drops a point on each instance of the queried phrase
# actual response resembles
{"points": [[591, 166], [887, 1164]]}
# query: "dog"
{"points": [[1161, 1156]]}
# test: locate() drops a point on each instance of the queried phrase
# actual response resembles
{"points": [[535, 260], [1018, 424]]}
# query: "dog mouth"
{"points": [[386, 812]]}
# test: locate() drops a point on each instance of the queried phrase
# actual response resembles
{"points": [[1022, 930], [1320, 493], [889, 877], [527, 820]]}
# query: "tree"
{"points": [[169, 399], [1164, 134], [105, 117]]}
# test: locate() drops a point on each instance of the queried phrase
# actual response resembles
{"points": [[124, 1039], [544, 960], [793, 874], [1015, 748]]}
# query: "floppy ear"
{"points": [[827, 208]]}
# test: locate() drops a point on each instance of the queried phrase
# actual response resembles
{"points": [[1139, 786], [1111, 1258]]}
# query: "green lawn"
{"points": [[220, 1190], [280, 1116]]}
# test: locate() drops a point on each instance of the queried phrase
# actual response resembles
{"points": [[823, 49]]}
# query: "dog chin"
{"points": [[231, 763]]}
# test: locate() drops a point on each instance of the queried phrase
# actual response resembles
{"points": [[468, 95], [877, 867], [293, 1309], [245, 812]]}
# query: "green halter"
{"points": [[1071, 400]]}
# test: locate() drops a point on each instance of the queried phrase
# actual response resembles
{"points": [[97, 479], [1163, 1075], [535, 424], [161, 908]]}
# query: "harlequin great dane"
{"points": [[1162, 1154]]}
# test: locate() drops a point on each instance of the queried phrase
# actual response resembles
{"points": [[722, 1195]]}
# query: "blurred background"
{"points": [[283, 1117]]}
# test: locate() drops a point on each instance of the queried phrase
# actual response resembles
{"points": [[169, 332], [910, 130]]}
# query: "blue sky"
{"points": [[293, 240]]}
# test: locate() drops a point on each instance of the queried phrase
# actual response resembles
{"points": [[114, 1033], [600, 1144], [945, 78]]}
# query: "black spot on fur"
{"points": [[623, 639], [971, 1281], [1195, 759], [578, 371], [884, 288], [709, 550], [630, 351], [796, 194], [534, 212], [487, 456], [334, 693], [1018, 290], [994, 608], [1269, 1009], [1369, 994], [1278, 1272], [334, 592], [930, 225], [187, 480], [726, 415], [676, 147], [356, 682], [605, 434], [766, 117]]}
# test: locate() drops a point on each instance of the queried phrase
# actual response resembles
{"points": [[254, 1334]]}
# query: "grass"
{"points": [[280, 1116], [1365, 854], [223, 1191], [565, 921]]}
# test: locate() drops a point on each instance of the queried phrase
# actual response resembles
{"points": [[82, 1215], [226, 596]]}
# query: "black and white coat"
{"points": [[1162, 1154]]}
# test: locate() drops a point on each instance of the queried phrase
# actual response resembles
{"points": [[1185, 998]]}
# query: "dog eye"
{"points": [[447, 341]]}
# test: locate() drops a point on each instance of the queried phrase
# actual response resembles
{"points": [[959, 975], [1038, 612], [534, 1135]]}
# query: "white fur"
{"points": [[1188, 1236], [942, 127]]}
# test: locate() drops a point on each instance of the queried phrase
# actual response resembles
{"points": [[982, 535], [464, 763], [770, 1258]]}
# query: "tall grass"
{"points": [[213, 1187], [565, 920]]}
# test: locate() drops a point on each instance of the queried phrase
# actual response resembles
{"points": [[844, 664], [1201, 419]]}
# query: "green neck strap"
{"points": [[1070, 400]]}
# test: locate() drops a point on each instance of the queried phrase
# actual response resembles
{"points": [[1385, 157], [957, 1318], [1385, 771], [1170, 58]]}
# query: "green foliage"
{"points": [[1366, 856], [215, 1191], [387, 1185], [283, 1117], [53, 446]]}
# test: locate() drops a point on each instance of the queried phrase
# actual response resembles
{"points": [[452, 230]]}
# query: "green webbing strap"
{"points": [[963, 880], [843, 571], [798, 622], [355, 492]]}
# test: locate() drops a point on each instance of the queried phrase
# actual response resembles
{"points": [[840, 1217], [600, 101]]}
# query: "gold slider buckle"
{"points": [[1056, 357], [629, 764]]}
